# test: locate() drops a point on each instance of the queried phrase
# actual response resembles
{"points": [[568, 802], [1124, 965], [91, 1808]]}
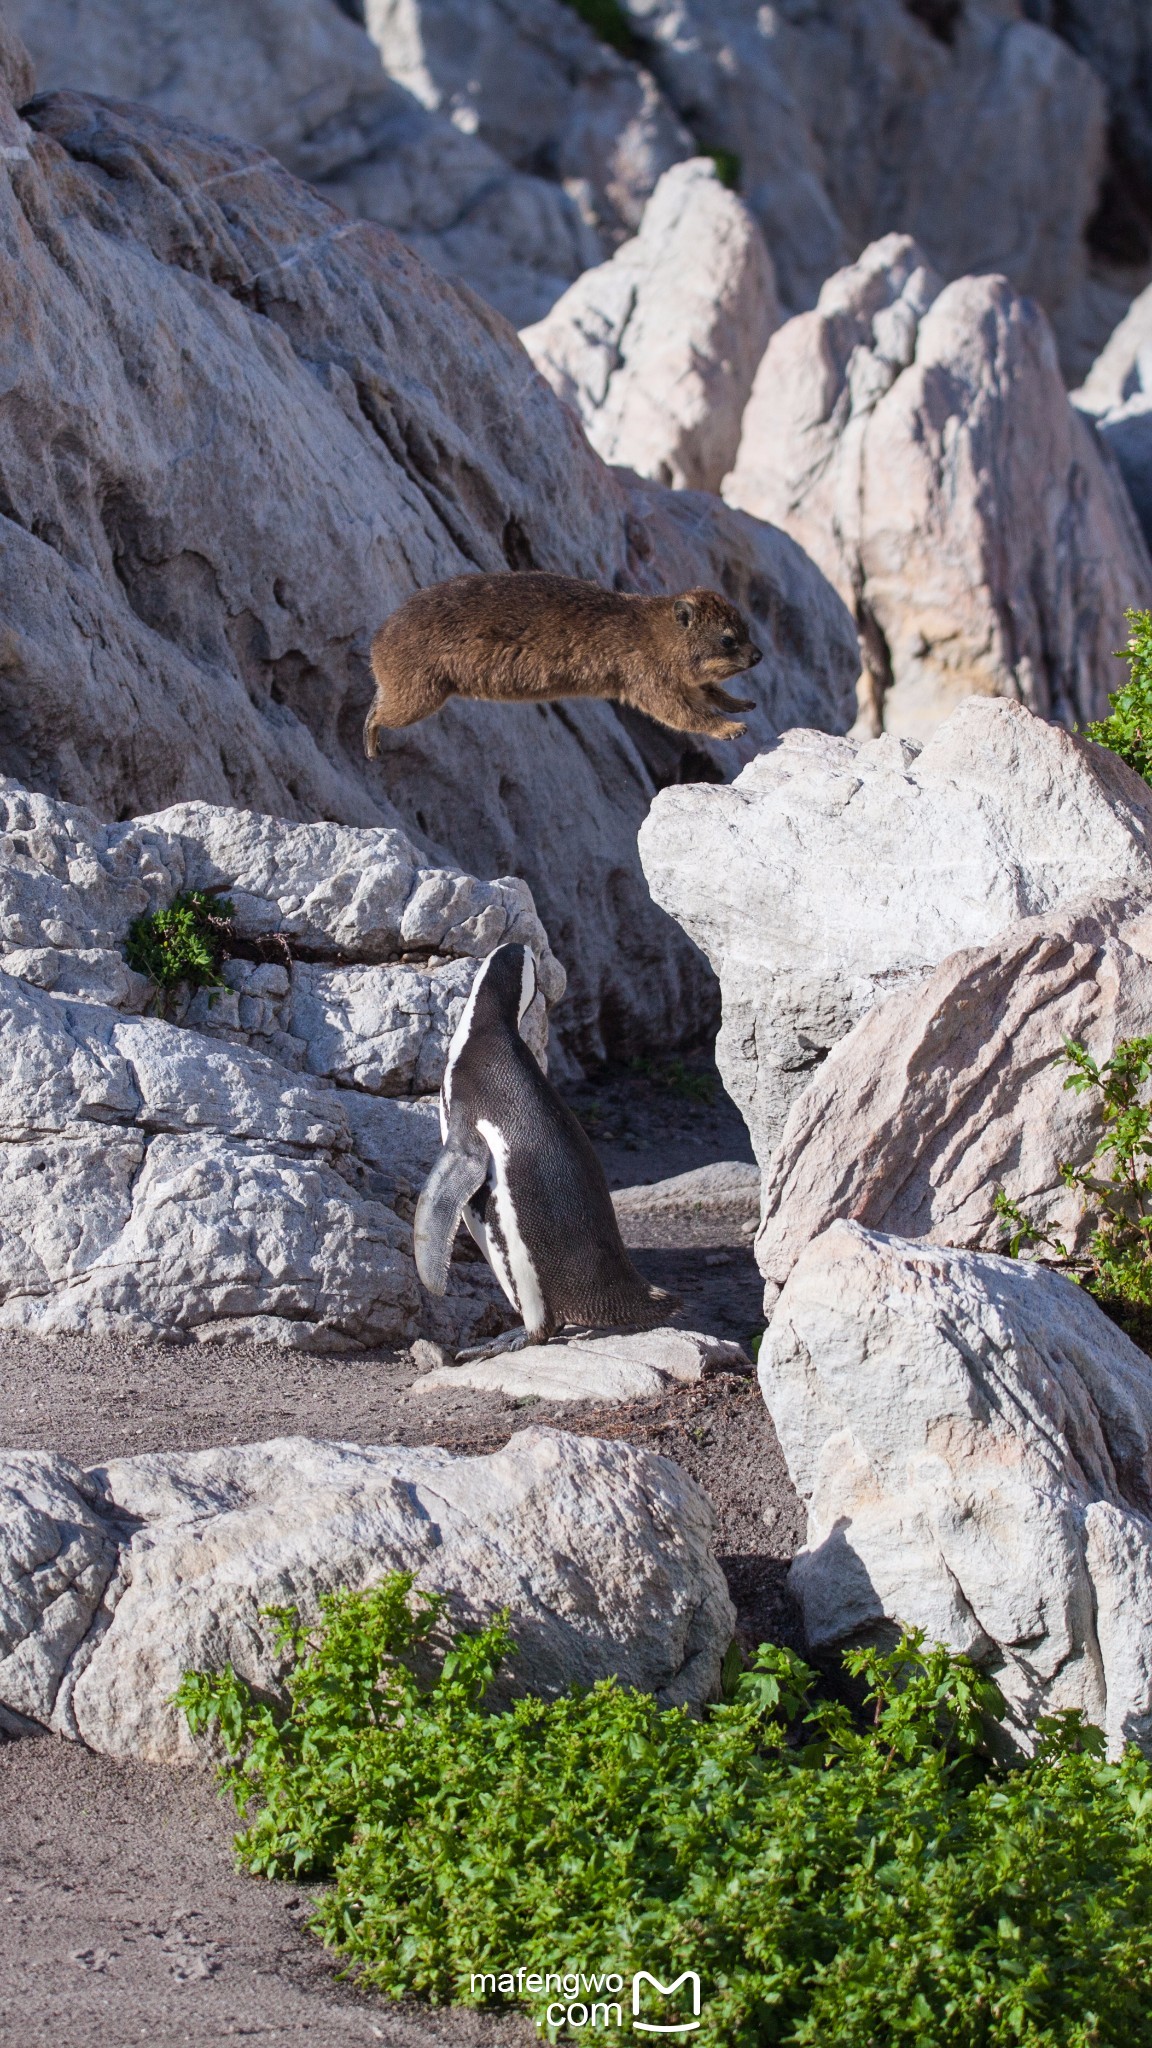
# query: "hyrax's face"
{"points": [[716, 637]]}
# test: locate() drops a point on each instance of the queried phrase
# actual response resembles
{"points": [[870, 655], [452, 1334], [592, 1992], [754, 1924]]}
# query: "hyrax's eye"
{"points": [[728, 642]]}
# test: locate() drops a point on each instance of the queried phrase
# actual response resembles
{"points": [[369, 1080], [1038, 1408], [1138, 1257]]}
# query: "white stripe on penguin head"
{"points": [[457, 1043]]}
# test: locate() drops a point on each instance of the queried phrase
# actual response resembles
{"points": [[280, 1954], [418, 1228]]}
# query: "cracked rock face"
{"points": [[302, 80], [917, 440], [984, 139], [114, 1582], [834, 873], [188, 608], [534, 83], [656, 350], [947, 1092], [231, 1163], [973, 1441]]}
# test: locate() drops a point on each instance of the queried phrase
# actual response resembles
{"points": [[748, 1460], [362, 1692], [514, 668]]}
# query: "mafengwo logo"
{"points": [[594, 2004]]}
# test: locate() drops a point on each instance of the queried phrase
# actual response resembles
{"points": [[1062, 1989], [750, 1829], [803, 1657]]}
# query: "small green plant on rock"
{"points": [[608, 21], [1117, 1182], [187, 943], [868, 1879], [1127, 730]]}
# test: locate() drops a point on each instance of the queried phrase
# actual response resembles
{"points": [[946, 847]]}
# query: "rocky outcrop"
{"points": [[1115, 36], [285, 424], [945, 1093], [636, 1367], [302, 79], [1117, 396], [656, 350], [972, 1440], [239, 1161], [918, 442], [534, 83], [833, 873], [981, 135], [115, 1582]]}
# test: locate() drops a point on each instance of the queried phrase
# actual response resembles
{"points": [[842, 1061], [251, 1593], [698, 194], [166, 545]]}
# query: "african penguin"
{"points": [[519, 1168]]}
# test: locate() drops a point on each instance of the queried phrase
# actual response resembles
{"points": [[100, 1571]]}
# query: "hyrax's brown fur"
{"points": [[525, 638]]}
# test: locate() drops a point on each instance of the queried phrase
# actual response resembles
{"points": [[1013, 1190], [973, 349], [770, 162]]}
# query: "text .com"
{"points": [[599, 2002]]}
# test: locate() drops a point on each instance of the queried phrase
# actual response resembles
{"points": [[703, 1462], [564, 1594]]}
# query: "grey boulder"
{"points": [[972, 1440], [237, 1161], [945, 1093], [115, 1582], [833, 873], [1117, 396], [918, 441], [303, 80], [656, 350]]}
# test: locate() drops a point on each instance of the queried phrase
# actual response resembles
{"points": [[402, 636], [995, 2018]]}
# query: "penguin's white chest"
{"points": [[501, 1238]]}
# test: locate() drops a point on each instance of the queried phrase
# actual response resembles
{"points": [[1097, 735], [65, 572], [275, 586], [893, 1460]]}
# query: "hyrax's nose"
{"points": [[754, 656]]}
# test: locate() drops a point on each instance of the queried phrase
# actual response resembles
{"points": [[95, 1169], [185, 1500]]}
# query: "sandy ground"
{"points": [[122, 1918]]}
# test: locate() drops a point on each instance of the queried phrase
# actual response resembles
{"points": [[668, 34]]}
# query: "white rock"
{"points": [[636, 1367], [656, 350], [973, 1442], [181, 1174], [919, 443], [534, 83], [832, 873], [116, 1582], [947, 1092], [204, 603]]}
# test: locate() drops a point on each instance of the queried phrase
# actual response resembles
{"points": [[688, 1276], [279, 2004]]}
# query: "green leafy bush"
{"points": [[187, 942], [1117, 1181], [728, 167], [852, 1882], [1128, 728]]}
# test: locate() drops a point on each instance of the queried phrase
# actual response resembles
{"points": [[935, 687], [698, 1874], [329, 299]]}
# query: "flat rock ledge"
{"points": [[636, 1367], [973, 1441], [116, 1580]]}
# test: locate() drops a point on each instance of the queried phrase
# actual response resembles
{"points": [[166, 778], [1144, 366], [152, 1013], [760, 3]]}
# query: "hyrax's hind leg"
{"points": [[404, 695]]}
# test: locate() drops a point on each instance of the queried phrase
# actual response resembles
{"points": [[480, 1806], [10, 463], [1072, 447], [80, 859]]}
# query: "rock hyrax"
{"points": [[528, 637]]}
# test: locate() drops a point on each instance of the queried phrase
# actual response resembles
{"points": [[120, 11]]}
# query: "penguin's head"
{"points": [[506, 984]]}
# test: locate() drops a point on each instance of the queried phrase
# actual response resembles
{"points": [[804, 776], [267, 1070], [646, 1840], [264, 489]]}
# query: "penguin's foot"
{"points": [[511, 1340]]}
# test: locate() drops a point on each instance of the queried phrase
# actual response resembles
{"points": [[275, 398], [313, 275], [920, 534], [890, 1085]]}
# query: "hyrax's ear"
{"points": [[683, 611]]}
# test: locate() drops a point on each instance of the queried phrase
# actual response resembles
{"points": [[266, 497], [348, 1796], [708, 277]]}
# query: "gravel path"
{"points": [[123, 1919]]}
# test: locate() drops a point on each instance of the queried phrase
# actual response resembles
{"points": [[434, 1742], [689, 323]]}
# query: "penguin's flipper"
{"points": [[453, 1181]]}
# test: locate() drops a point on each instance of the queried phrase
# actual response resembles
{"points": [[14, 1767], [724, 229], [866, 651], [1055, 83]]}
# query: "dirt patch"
{"points": [[123, 1919]]}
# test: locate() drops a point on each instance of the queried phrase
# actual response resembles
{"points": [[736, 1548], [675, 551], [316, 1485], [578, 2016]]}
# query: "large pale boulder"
{"points": [[238, 430], [656, 350], [1117, 396], [947, 1092], [833, 873], [535, 84], [115, 1582], [982, 135], [972, 1440], [919, 443], [637, 1366], [302, 79], [233, 1162]]}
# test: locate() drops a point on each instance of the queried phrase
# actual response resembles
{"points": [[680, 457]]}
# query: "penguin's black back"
{"points": [[555, 1181]]}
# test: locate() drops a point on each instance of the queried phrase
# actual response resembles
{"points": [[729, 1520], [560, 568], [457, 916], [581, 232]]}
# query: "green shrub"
{"points": [[1117, 1181], [842, 1881], [1128, 728], [185, 943], [728, 167]]}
